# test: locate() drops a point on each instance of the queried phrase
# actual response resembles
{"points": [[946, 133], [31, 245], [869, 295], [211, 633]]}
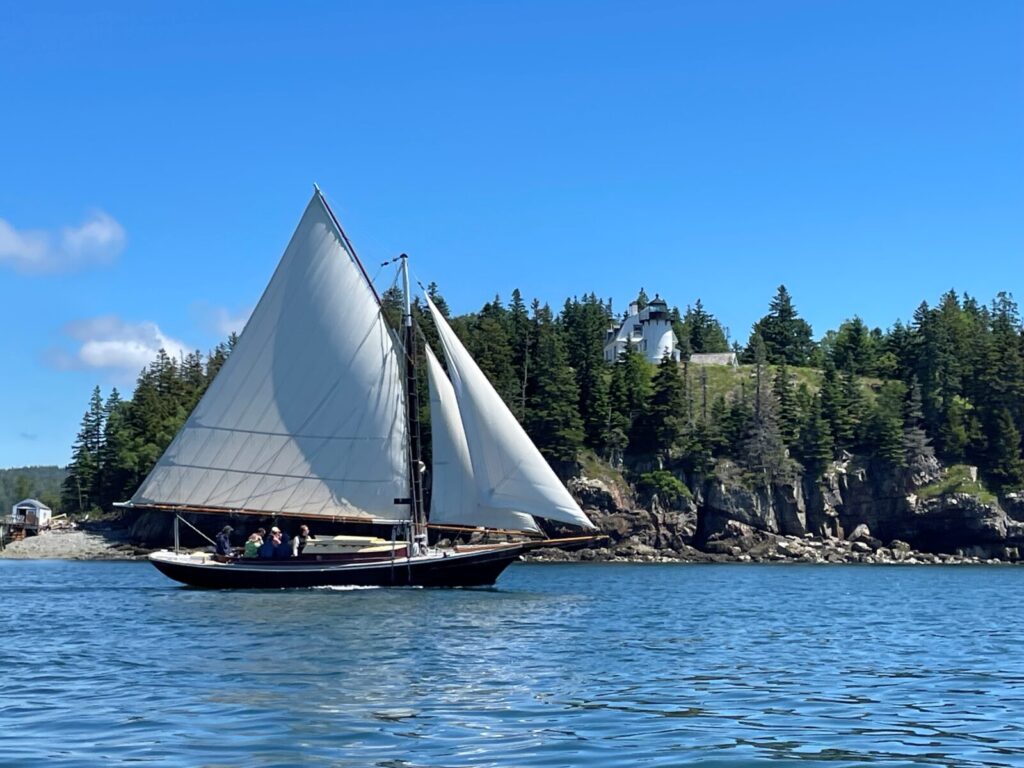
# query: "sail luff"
{"points": [[307, 414], [510, 472]]}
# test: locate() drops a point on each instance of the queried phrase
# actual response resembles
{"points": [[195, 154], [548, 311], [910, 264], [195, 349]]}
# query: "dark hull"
{"points": [[459, 569]]}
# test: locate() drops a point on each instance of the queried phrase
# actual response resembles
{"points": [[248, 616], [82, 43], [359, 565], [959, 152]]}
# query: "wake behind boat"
{"points": [[315, 414]]}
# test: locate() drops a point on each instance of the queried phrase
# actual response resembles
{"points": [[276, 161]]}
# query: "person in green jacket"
{"points": [[252, 545]]}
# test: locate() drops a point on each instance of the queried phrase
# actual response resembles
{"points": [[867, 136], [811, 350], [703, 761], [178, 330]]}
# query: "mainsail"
{"points": [[307, 415], [453, 497], [509, 471]]}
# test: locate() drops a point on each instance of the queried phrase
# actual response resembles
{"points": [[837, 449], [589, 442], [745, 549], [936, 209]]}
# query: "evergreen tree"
{"points": [[80, 491], [786, 336], [815, 447], [117, 459], [789, 417], [763, 448], [1006, 468], [641, 299], [662, 422], [702, 331], [885, 425], [519, 339], [853, 348], [553, 420], [491, 348], [916, 445], [585, 323]]}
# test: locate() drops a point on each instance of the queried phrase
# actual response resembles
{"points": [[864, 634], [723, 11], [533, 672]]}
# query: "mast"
{"points": [[412, 403]]}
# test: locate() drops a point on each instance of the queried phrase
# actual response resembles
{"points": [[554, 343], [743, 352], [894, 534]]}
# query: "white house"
{"points": [[648, 331], [30, 513]]}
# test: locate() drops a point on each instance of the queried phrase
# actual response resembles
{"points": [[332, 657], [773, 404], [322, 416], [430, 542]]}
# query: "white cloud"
{"points": [[98, 240], [110, 343]]}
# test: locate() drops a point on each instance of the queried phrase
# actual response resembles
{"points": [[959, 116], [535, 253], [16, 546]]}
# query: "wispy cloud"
{"points": [[98, 240], [220, 320], [112, 344], [28, 435]]}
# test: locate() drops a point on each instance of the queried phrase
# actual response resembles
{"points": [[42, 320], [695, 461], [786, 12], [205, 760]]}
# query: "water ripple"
{"points": [[562, 665]]}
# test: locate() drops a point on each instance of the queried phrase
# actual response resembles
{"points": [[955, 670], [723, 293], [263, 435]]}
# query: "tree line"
{"points": [[949, 384]]}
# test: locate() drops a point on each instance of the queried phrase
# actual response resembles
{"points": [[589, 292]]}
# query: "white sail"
{"points": [[453, 497], [307, 414], [510, 472]]}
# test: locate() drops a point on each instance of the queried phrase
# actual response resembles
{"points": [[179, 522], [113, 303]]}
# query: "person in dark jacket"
{"points": [[223, 546], [299, 542], [266, 550], [282, 546]]}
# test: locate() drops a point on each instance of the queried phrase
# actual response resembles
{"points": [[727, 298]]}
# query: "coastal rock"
{"points": [[728, 497], [862, 535], [1013, 504], [592, 493], [960, 518]]}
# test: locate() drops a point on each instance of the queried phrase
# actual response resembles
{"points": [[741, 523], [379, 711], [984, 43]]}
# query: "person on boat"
{"points": [[299, 542], [223, 545], [266, 549], [282, 545], [252, 546]]}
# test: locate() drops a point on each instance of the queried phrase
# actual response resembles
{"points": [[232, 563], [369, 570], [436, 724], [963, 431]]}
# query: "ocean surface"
{"points": [[559, 665]]}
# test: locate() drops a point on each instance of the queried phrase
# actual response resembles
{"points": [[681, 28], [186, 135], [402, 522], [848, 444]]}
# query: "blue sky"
{"points": [[154, 159]]}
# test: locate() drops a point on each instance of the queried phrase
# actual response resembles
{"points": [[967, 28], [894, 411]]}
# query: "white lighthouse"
{"points": [[648, 331]]}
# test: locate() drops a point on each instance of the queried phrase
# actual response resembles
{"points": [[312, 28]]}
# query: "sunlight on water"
{"points": [[561, 665]]}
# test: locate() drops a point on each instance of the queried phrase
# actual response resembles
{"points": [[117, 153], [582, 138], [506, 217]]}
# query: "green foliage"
{"points": [[553, 418], [700, 332], [20, 483], [951, 381], [956, 479], [670, 490], [119, 441], [786, 337], [662, 420]]}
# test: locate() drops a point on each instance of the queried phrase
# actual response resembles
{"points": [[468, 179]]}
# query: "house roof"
{"points": [[33, 503]]}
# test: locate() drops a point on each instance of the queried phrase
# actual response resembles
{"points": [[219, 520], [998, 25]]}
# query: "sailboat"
{"points": [[314, 415]]}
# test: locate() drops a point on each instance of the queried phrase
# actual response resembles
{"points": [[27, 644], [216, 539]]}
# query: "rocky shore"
{"points": [[89, 542], [858, 512]]}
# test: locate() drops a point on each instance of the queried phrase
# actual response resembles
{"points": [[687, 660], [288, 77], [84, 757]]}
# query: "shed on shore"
{"points": [[31, 514]]}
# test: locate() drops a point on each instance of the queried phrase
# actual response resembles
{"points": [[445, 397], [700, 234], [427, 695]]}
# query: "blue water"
{"points": [[560, 665]]}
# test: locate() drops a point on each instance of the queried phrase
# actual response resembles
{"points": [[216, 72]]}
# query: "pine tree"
{"points": [[117, 460], [519, 339], [703, 332], [585, 323], [491, 347], [885, 425], [763, 448], [80, 491], [553, 420], [789, 408], [786, 336], [815, 447], [916, 445], [662, 422], [1006, 468]]}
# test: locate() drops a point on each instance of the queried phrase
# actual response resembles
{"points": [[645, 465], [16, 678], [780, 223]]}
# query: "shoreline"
{"points": [[104, 542], [84, 542]]}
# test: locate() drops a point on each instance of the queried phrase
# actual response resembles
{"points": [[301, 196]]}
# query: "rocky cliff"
{"points": [[863, 511]]}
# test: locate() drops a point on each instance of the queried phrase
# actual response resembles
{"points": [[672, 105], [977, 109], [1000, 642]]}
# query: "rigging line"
{"points": [[186, 522]]}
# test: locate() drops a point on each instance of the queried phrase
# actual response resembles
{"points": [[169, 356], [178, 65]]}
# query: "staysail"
{"points": [[307, 415], [509, 471], [453, 498]]}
